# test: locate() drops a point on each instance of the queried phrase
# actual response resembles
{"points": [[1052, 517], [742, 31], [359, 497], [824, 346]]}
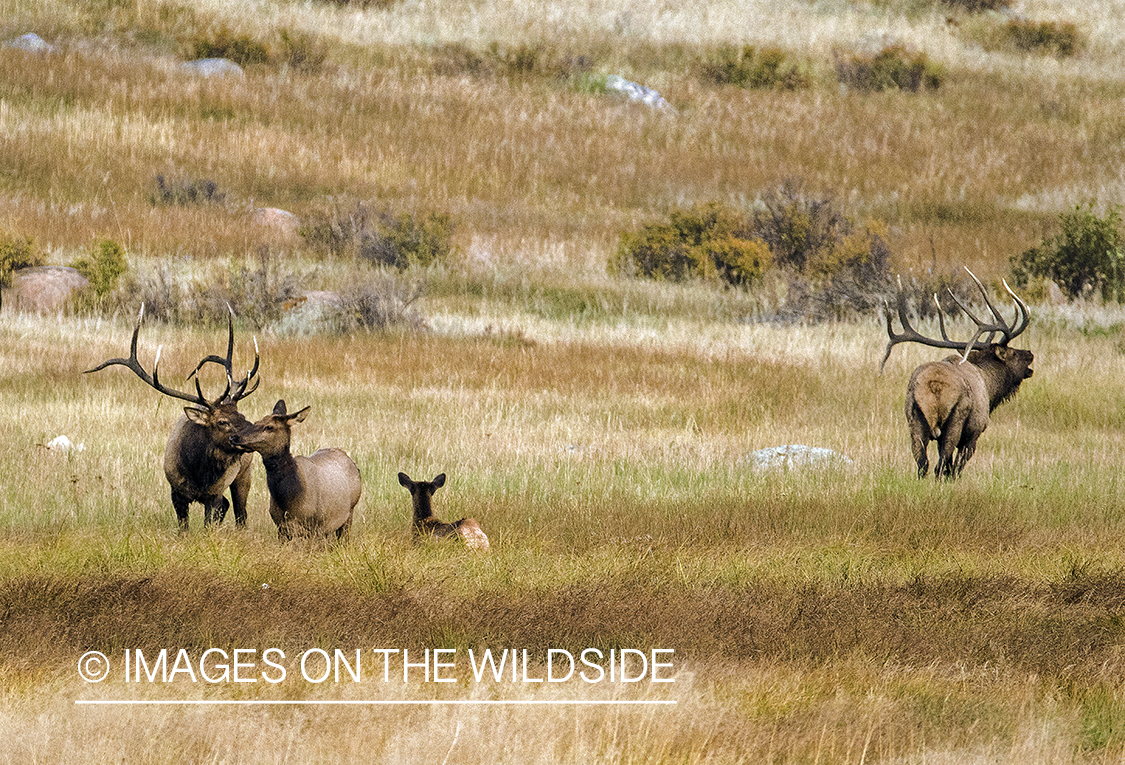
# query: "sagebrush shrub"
{"points": [[187, 192], [382, 236], [1060, 38], [976, 6], [894, 67], [243, 50], [748, 67], [1086, 256], [833, 268]]}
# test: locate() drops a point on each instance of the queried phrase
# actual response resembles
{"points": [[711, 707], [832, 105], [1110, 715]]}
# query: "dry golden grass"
{"points": [[598, 428]]}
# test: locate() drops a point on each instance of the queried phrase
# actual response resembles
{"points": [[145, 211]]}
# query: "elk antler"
{"points": [[237, 390], [153, 380], [999, 325]]}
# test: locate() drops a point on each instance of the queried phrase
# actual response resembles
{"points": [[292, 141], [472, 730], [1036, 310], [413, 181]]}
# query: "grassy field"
{"points": [[598, 427]]}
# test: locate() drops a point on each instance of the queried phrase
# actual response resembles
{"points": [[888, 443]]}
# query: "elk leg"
{"points": [[180, 505], [964, 454], [239, 492], [214, 509], [919, 442], [948, 445]]}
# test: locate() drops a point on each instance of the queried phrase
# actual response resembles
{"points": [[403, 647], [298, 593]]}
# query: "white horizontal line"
{"points": [[345, 702]]}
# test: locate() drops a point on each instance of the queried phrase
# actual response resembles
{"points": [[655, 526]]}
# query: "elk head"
{"points": [[271, 435]]}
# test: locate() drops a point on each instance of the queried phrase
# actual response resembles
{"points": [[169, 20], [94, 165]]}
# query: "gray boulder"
{"points": [[635, 92], [30, 42], [44, 289], [795, 456], [213, 67]]}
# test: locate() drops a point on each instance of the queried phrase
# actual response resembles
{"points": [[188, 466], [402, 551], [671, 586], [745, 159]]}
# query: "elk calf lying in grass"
{"points": [[950, 401], [310, 496], [427, 526]]}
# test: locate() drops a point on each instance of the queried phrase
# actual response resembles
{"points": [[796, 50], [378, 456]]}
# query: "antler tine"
{"points": [[237, 390], [152, 380], [909, 334], [1023, 313]]}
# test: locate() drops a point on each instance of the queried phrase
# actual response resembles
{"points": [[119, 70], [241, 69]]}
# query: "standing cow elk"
{"points": [[426, 526], [312, 496], [199, 462], [950, 401]]}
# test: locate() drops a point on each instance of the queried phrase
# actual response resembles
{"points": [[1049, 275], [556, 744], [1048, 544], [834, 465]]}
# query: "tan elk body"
{"points": [[951, 401], [199, 462], [313, 496], [427, 526]]}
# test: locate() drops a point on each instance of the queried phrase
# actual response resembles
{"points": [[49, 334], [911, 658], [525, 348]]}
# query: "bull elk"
{"points": [[312, 496], [950, 401], [425, 525], [199, 462]]}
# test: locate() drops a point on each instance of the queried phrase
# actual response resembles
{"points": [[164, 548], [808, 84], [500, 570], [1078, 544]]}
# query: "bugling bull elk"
{"points": [[310, 496], [199, 462], [425, 525], [950, 401]]}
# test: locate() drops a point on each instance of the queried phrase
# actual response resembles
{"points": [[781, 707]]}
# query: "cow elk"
{"points": [[426, 526], [312, 496], [199, 462], [950, 401]]}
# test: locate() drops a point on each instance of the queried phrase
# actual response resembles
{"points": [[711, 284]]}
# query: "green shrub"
{"points": [[16, 252], [1086, 256], [751, 68], [383, 237], [103, 267], [698, 242], [832, 267], [894, 67], [1058, 38]]}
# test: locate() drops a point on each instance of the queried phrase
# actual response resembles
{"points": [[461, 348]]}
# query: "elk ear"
{"points": [[197, 415], [279, 407], [301, 415], [404, 479], [438, 481], [1003, 352]]}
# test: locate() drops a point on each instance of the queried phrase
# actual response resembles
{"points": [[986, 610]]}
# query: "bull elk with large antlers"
{"points": [[310, 496], [199, 461], [950, 401]]}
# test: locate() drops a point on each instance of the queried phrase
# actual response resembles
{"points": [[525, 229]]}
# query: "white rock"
{"points": [[795, 456]]}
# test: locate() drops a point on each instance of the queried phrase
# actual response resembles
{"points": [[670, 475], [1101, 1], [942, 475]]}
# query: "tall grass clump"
{"points": [[1086, 257]]}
